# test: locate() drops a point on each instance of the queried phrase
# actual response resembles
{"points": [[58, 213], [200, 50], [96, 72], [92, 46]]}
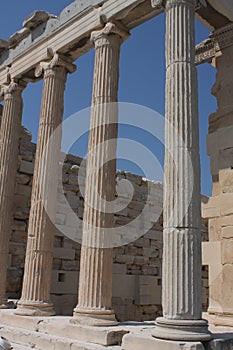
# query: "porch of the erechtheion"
{"points": [[105, 25]]}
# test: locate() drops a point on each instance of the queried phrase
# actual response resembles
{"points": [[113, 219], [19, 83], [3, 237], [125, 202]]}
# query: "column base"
{"points": [[35, 309], [189, 330], [93, 317]]}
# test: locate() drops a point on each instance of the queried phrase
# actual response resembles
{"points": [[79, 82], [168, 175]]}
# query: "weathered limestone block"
{"points": [[18, 36], [22, 179], [64, 253], [21, 201], [208, 248], [128, 259], [70, 265], [35, 19], [64, 304], [27, 146], [149, 291], [14, 281], [226, 158], [226, 180], [211, 209], [19, 236], [23, 190], [57, 263], [225, 204], [215, 229], [136, 179], [226, 220], [73, 180], [150, 270], [138, 341], [26, 167], [64, 282], [60, 219], [227, 250], [227, 232], [227, 288], [21, 213]]}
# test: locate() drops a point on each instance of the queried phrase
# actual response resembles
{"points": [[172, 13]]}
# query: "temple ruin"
{"points": [[92, 288]]}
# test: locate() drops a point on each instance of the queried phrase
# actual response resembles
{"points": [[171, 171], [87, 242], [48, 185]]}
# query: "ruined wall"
{"points": [[219, 208], [136, 266]]}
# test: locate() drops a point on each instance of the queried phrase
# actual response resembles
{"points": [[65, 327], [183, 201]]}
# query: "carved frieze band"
{"points": [[218, 40]]}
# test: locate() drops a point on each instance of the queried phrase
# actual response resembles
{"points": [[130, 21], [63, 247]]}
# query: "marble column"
{"points": [[35, 299], [181, 299], [95, 281], [9, 150]]}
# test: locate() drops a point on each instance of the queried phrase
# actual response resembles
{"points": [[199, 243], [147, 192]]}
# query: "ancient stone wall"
{"points": [[218, 209], [136, 266]]}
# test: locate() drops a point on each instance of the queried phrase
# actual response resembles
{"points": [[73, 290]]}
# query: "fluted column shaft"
{"points": [[182, 214], [35, 299], [181, 299], [95, 281], [9, 150]]}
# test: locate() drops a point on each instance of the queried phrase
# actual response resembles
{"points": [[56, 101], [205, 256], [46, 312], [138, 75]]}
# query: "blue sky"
{"points": [[142, 80]]}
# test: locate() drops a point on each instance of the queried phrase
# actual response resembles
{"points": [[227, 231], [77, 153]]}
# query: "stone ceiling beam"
{"points": [[69, 33]]}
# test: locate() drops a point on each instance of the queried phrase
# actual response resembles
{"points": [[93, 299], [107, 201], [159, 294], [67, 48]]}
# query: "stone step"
{"points": [[144, 340], [21, 347], [61, 326], [22, 339]]}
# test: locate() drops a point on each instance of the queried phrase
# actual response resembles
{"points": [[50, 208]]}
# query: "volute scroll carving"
{"points": [[13, 86], [57, 60], [109, 29], [162, 3]]}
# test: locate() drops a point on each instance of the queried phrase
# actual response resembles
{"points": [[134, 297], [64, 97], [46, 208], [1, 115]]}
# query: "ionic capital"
{"points": [[56, 61], [169, 3], [110, 29], [200, 4], [158, 4], [15, 87]]}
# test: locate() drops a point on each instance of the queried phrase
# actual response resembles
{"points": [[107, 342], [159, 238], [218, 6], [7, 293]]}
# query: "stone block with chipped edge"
{"points": [[144, 340], [26, 167]]}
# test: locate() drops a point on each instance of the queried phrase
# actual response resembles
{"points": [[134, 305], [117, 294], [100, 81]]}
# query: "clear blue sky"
{"points": [[142, 79]]}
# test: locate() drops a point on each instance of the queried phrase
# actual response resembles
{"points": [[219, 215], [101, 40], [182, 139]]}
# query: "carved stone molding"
{"points": [[218, 40], [157, 4], [56, 61], [200, 4], [223, 37], [205, 51]]}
